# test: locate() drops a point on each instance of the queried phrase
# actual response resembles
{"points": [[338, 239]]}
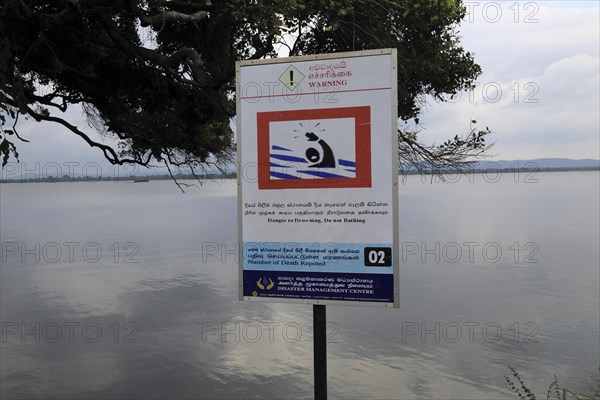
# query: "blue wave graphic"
{"points": [[288, 158], [274, 147], [321, 174], [282, 175], [279, 169]]}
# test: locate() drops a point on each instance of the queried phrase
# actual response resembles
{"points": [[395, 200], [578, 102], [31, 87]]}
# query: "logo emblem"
{"points": [[264, 283]]}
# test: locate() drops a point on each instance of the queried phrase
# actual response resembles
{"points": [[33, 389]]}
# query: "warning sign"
{"points": [[318, 194], [291, 78]]}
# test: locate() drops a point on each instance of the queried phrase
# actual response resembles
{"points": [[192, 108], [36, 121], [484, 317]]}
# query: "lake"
{"points": [[129, 290]]}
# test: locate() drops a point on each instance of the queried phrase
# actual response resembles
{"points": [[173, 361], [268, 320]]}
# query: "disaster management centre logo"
{"points": [[320, 148]]}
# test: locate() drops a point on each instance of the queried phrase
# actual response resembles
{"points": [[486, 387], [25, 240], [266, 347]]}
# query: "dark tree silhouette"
{"points": [[158, 75]]}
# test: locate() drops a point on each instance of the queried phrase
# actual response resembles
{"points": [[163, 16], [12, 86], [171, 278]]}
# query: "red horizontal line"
{"points": [[315, 93]]}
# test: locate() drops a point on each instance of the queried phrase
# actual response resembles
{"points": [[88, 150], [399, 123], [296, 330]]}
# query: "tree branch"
{"points": [[109, 152], [452, 156], [158, 20]]}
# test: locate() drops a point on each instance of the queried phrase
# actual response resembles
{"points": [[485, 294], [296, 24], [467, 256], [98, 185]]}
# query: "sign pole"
{"points": [[320, 350]]}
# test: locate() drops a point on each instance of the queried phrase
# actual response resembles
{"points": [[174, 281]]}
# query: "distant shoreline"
{"points": [[495, 169], [127, 179], [233, 175]]}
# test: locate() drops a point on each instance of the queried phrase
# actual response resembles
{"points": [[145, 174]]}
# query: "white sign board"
{"points": [[318, 179]]}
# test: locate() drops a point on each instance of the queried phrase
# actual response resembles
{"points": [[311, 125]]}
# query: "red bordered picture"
{"points": [[316, 148]]}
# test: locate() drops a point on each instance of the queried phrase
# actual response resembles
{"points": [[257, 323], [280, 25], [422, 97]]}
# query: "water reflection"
{"points": [[172, 327]]}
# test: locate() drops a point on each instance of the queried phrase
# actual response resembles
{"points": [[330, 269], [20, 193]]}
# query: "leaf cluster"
{"points": [[158, 75]]}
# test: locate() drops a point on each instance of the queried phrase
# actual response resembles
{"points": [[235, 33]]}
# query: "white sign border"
{"points": [[394, 150]]}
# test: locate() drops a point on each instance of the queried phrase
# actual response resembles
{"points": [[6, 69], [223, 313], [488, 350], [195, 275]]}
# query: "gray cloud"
{"points": [[539, 91]]}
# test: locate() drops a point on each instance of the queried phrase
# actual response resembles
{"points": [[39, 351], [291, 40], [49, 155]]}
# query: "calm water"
{"points": [[121, 290]]}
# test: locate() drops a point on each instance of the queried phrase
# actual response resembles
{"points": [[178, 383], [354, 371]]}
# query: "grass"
{"points": [[555, 390]]}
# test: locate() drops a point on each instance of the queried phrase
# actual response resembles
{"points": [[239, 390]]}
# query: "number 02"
{"points": [[377, 257]]}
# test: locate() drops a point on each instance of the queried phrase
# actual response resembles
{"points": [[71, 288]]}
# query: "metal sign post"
{"points": [[320, 350]]}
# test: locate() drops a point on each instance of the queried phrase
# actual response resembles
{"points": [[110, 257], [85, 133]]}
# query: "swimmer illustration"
{"points": [[325, 158], [312, 150], [320, 159], [301, 149]]}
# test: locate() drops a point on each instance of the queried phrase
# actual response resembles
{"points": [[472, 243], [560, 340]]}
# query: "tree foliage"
{"points": [[158, 75]]}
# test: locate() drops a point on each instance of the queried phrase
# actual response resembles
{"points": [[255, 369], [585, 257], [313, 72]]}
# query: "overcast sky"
{"points": [[539, 91]]}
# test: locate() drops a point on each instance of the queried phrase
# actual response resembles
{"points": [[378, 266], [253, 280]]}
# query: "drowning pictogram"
{"points": [[323, 158], [314, 148]]}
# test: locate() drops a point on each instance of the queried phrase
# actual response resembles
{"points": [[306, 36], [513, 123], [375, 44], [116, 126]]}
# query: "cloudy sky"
{"points": [[540, 88], [539, 91]]}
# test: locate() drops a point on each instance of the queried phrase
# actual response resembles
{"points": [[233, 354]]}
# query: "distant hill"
{"points": [[541, 163], [538, 164]]}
